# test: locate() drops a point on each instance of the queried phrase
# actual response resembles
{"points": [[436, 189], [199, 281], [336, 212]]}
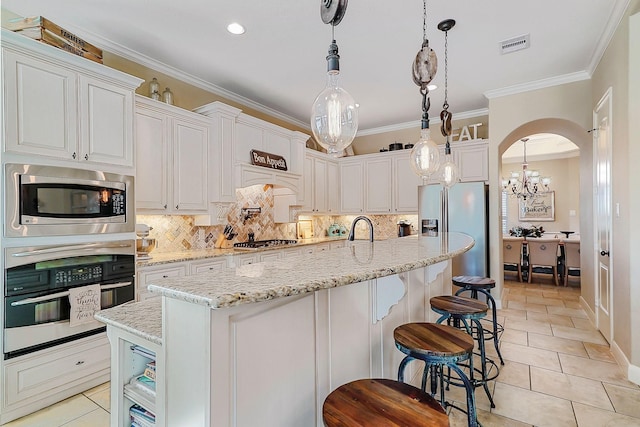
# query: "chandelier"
{"points": [[527, 183]]}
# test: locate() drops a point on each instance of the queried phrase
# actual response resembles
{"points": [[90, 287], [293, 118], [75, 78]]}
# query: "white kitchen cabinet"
{"points": [[472, 159], [378, 194], [171, 159], [351, 187], [405, 185], [206, 265], [245, 259], [319, 196], [39, 379], [146, 275], [61, 106], [333, 188]]}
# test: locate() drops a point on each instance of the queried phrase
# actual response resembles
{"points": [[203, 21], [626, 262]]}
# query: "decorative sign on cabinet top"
{"points": [[268, 160]]}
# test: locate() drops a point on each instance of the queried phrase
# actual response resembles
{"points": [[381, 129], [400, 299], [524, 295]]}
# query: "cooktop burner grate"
{"points": [[264, 243]]}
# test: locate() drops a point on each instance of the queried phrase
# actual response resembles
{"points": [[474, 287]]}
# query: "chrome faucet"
{"points": [[352, 233]]}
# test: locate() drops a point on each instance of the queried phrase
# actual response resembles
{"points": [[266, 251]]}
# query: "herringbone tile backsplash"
{"points": [[178, 233]]}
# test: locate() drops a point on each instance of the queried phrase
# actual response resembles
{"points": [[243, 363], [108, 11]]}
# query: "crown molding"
{"points": [[612, 24], [538, 84], [139, 58], [416, 124]]}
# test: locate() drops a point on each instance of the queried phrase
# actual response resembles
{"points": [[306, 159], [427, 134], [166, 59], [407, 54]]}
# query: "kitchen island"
{"points": [[264, 344]]}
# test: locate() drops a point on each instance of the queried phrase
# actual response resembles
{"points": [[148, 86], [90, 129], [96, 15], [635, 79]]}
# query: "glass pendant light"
{"points": [[334, 114], [448, 174], [425, 157]]}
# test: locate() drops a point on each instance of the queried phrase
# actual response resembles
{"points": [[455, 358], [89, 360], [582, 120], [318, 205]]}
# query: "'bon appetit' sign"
{"points": [[268, 160]]}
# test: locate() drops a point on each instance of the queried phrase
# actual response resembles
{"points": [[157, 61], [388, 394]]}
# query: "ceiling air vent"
{"points": [[514, 44]]}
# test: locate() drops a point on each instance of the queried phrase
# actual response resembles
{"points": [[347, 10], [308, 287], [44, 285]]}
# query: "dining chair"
{"points": [[543, 253], [512, 254], [571, 258]]}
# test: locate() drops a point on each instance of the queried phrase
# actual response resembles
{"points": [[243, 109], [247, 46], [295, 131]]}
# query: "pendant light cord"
{"points": [[424, 21]]}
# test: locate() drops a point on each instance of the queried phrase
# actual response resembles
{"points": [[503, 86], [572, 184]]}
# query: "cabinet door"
{"points": [[378, 185], [351, 179], [40, 107], [320, 185], [106, 122], [405, 186], [333, 188], [473, 163], [152, 160], [148, 275], [308, 205], [208, 265], [189, 166]]}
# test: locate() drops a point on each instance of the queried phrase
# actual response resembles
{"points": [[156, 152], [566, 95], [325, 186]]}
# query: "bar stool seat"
{"points": [[468, 310], [483, 285], [438, 346], [382, 402]]}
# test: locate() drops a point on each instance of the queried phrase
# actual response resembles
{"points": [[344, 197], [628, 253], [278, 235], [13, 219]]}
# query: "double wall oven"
{"points": [[78, 227]]}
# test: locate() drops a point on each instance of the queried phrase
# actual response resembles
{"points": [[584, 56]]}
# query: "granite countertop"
{"points": [[357, 262], [196, 254], [143, 319]]}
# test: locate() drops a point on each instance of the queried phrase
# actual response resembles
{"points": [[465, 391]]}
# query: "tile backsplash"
{"points": [[178, 233]]}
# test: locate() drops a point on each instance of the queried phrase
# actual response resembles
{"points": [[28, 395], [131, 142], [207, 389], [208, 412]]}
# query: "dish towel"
{"points": [[85, 302]]}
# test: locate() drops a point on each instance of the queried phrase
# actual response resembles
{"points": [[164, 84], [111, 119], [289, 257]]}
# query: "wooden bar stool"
{"points": [[382, 402], [483, 285], [468, 310], [438, 346]]}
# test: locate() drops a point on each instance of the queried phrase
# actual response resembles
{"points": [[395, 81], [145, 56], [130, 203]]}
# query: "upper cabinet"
{"points": [[171, 159], [256, 134], [378, 179], [321, 183], [351, 186], [64, 107], [471, 158]]}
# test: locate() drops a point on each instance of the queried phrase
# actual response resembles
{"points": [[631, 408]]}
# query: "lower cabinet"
{"points": [[39, 379], [147, 275]]}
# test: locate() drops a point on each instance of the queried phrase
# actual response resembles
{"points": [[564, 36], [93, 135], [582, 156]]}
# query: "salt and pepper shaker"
{"points": [[167, 96], [154, 89]]}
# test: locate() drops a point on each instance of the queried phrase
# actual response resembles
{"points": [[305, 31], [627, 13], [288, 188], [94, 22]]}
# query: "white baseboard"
{"points": [[633, 371], [590, 313]]}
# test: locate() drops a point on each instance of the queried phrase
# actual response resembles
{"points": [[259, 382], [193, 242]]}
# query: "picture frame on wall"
{"points": [[537, 208]]}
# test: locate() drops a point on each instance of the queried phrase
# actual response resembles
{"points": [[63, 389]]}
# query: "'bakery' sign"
{"points": [[268, 160]]}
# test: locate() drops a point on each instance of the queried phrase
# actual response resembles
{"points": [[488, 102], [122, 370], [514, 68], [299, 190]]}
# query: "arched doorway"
{"points": [[553, 162], [580, 137]]}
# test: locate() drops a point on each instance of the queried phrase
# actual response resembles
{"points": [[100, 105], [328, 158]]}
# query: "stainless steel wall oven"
{"points": [[37, 284], [54, 201]]}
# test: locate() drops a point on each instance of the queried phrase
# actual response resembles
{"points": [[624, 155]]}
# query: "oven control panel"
{"points": [[78, 275]]}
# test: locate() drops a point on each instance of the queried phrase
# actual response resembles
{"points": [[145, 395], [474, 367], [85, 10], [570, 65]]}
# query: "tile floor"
{"points": [[558, 372]]}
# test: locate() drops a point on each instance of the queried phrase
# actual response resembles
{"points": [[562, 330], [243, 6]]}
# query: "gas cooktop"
{"points": [[260, 244]]}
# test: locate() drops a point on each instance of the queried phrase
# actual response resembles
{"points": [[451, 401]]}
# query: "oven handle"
{"points": [[72, 248], [40, 299], [65, 294], [115, 286]]}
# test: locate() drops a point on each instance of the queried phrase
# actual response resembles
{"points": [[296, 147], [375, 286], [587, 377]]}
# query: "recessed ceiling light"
{"points": [[235, 28], [432, 87]]}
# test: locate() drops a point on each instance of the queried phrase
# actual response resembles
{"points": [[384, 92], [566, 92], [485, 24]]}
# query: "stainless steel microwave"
{"points": [[55, 201]]}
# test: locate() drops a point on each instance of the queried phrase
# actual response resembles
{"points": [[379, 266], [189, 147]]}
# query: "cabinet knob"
{"points": [[164, 276], [86, 157], [177, 207], [80, 362], [165, 206], [74, 155]]}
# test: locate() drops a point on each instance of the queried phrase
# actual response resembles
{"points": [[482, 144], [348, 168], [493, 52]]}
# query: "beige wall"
{"points": [[373, 143], [634, 177], [564, 110], [613, 71], [565, 182]]}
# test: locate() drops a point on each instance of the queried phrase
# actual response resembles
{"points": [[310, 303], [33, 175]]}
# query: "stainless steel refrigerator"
{"points": [[468, 212]]}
